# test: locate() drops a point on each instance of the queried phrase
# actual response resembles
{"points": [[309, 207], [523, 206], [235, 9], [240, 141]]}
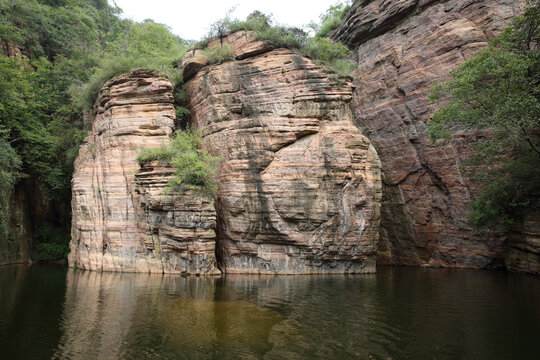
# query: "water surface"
{"points": [[399, 313]]}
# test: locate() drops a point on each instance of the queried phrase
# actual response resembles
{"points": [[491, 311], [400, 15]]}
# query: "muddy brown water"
{"points": [[51, 312]]}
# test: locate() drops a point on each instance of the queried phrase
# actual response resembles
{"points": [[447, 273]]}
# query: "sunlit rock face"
{"points": [[123, 225], [402, 48], [299, 185]]}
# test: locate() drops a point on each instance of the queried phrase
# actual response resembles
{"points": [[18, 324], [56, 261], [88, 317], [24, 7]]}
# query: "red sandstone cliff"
{"points": [[121, 221], [402, 48], [299, 185]]}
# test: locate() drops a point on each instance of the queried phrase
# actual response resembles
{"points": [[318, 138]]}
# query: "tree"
{"points": [[498, 89]]}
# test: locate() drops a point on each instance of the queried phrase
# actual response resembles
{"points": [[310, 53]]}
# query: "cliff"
{"points": [[299, 185], [300, 188], [121, 222], [179, 226], [402, 48]]}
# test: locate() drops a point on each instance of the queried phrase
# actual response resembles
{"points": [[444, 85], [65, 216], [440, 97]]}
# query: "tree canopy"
{"points": [[498, 89], [69, 47]]}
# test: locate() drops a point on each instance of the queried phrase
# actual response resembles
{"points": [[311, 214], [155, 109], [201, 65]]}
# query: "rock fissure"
{"points": [[299, 186], [425, 202]]}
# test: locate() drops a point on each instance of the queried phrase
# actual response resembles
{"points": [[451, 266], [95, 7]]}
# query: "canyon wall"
{"points": [[402, 48], [121, 221], [299, 185]]}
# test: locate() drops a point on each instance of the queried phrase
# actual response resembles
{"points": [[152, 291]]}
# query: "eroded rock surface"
{"points": [[524, 244], [13, 50], [299, 185], [119, 225], [179, 226], [403, 47], [242, 42]]}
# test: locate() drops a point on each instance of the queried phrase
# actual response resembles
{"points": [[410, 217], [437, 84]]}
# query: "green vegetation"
{"points": [[498, 89], [162, 154], [219, 54], [331, 19], [70, 48], [325, 52], [133, 45], [50, 244], [194, 167]]}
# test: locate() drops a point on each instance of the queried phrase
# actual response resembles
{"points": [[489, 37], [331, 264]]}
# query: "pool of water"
{"points": [[399, 313]]}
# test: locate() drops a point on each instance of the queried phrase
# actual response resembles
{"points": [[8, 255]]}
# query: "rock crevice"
{"points": [[402, 48], [299, 185]]}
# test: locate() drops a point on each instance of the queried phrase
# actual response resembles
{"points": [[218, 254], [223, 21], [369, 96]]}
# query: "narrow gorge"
{"points": [[300, 187], [317, 173]]}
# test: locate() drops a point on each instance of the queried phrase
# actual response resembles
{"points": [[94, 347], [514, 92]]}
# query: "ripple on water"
{"points": [[398, 313]]}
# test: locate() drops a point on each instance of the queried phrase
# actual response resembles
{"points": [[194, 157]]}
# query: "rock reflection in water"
{"points": [[397, 313], [116, 316]]}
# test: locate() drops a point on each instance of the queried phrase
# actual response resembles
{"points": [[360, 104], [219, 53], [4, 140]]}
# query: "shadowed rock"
{"points": [[402, 48]]}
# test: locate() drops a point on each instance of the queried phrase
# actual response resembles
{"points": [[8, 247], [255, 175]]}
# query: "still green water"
{"points": [[399, 313]]}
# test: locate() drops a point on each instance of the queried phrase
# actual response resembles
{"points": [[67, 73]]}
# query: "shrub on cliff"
{"points": [[332, 18], [161, 154], [219, 54], [135, 45], [498, 89], [331, 54], [194, 167]]}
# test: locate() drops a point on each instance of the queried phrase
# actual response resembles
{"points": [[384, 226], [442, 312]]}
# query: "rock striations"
{"points": [[299, 185], [180, 227], [120, 224], [402, 48]]}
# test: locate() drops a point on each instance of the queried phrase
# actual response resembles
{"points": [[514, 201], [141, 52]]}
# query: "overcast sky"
{"points": [[190, 19]]}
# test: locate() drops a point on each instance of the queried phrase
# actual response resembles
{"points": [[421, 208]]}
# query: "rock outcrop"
{"points": [[179, 226], [119, 225], [402, 48], [299, 185], [524, 244], [13, 50]]}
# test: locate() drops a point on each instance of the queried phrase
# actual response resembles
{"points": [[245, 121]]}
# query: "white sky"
{"points": [[190, 19]]}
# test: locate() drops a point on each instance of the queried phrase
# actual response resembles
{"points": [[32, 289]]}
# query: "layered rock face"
{"points": [[121, 225], [524, 244], [299, 185], [179, 226], [402, 48]]}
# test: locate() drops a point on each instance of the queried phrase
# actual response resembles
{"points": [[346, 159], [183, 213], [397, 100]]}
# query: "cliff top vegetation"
{"points": [[332, 55]]}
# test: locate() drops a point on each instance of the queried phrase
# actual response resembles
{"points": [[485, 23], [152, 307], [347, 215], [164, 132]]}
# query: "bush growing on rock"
{"points": [[333, 55], [332, 18], [219, 54], [194, 168], [137, 45], [324, 51]]}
